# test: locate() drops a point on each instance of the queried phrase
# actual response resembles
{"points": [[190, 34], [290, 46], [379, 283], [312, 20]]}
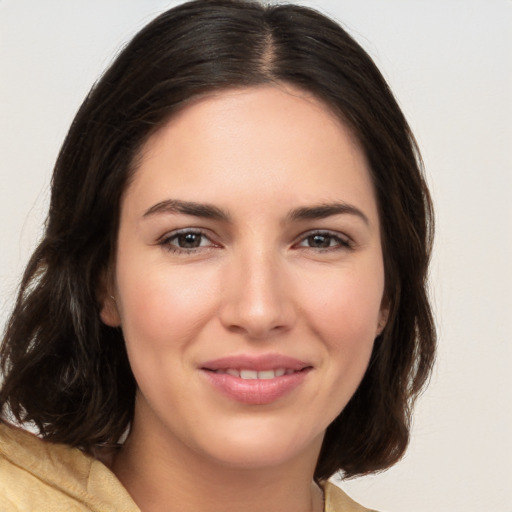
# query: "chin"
{"points": [[259, 449]]}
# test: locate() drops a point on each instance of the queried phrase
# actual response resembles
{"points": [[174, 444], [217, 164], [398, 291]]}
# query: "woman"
{"points": [[232, 277]]}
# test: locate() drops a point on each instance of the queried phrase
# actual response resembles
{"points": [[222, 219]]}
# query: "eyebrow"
{"points": [[208, 211], [203, 210], [323, 211]]}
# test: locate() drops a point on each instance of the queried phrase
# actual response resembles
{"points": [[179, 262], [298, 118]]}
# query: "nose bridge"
{"points": [[257, 296]]}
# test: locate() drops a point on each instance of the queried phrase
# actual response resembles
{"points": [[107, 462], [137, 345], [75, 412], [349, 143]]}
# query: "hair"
{"points": [[67, 372]]}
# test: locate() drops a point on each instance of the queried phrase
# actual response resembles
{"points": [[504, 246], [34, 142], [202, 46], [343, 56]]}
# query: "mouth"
{"points": [[256, 380], [261, 367]]}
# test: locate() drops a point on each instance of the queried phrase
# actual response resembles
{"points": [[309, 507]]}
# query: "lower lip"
{"points": [[255, 391]]}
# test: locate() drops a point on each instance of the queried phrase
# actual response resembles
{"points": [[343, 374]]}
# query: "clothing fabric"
{"points": [[39, 476]]}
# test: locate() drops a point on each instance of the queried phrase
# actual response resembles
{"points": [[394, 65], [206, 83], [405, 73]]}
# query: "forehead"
{"points": [[249, 107], [253, 142]]}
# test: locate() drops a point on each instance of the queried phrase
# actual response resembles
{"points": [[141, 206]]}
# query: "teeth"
{"points": [[253, 374], [248, 374]]}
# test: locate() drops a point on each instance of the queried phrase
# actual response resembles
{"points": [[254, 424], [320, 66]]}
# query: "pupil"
{"points": [[320, 241], [189, 240]]}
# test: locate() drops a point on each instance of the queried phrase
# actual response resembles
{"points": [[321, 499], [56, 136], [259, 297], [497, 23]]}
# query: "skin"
{"points": [[260, 281]]}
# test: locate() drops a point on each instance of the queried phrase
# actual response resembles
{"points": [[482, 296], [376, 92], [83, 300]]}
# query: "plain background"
{"points": [[449, 63]]}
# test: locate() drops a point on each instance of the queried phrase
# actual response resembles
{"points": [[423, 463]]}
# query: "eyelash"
{"points": [[340, 242]]}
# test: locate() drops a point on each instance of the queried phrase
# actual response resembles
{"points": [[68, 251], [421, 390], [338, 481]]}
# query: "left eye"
{"points": [[323, 241]]}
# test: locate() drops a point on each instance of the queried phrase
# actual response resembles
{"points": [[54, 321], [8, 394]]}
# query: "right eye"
{"points": [[186, 241]]}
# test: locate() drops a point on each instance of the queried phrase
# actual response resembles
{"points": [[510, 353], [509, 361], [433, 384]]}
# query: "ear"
{"points": [[383, 316], [109, 311]]}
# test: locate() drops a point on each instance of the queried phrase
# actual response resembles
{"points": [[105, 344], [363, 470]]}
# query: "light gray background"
{"points": [[450, 64]]}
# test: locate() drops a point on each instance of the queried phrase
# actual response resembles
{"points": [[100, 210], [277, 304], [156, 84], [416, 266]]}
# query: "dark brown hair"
{"points": [[66, 371]]}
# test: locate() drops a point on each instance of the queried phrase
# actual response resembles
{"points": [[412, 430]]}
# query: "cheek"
{"points": [[344, 315], [162, 305], [347, 305], [162, 312]]}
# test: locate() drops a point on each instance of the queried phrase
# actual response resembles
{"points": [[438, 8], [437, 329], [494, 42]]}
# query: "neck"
{"points": [[162, 476]]}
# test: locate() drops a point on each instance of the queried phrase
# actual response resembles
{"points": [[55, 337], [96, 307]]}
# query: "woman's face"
{"points": [[249, 277]]}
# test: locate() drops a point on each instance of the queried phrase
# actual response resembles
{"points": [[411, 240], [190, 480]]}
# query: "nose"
{"points": [[257, 297]]}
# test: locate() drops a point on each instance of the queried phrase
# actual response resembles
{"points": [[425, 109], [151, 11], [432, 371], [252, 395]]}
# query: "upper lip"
{"points": [[255, 362]]}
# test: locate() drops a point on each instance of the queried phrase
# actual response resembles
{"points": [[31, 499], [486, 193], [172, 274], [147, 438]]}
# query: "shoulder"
{"points": [[43, 476], [337, 501]]}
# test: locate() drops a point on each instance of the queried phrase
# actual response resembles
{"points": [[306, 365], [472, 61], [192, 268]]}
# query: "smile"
{"points": [[255, 380]]}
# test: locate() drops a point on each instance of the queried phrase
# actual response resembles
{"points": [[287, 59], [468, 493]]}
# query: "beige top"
{"points": [[38, 476]]}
